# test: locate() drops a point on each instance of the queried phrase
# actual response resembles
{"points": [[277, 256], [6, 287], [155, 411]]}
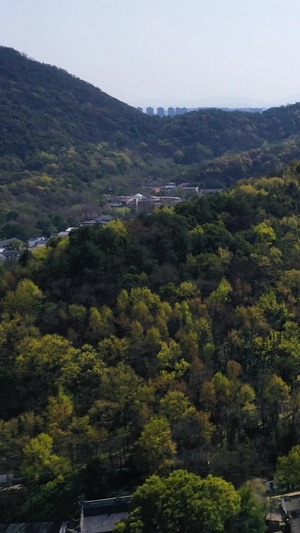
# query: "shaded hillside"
{"points": [[43, 106], [226, 170], [223, 132], [217, 148]]}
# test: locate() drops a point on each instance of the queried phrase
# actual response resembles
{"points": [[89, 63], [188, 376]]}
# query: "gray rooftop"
{"points": [[295, 525], [101, 516], [6, 242], [31, 527], [292, 503], [10, 253], [101, 523]]}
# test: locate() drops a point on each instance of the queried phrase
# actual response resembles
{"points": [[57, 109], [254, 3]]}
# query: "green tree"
{"points": [[277, 396], [39, 366], [156, 449], [122, 395], [27, 299], [40, 461], [114, 350], [182, 502], [175, 405], [100, 323], [170, 360], [288, 469], [251, 518], [234, 406], [59, 413]]}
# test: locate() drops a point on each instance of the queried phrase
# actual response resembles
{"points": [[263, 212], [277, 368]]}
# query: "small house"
{"points": [[101, 516], [9, 243], [10, 254]]}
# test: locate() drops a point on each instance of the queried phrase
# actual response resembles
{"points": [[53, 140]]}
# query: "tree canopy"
{"points": [[182, 502]]}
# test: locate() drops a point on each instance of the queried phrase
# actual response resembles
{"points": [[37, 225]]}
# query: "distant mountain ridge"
{"points": [[55, 95], [64, 142]]}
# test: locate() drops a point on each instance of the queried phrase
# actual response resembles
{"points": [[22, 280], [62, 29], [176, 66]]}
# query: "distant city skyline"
{"points": [[218, 102], [191, 54], [172, 112]]}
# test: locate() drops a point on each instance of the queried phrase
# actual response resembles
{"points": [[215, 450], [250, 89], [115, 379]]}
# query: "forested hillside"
{"points": [[169, 342], [63, 143]]}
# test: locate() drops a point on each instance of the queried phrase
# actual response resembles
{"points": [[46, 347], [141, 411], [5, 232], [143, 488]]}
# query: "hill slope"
{"points": [[64, 142], [168, 342], [44, 106]]}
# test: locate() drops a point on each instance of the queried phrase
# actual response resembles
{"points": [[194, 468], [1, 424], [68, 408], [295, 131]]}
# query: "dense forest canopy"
{"points": [[65, 143], [162, 348], [157, 356]]}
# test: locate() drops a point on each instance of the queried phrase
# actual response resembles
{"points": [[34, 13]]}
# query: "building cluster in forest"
{"points": [[134, 205]]}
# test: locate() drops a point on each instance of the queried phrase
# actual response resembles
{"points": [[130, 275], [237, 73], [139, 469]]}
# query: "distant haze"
{"points": [[234, 102], [195, 53]]}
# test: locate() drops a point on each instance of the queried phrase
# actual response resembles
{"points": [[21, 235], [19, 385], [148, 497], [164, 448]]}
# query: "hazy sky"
{"points": [[166, 51]]}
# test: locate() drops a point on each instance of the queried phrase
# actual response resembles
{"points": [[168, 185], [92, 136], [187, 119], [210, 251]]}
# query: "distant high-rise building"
{"points": [[140, 109], [171, 111], [150, 111], [180, 110], [160, 111]]}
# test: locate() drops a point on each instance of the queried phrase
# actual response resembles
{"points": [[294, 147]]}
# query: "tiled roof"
{"points": [[101, 516], [292, 503], [101, 523]]}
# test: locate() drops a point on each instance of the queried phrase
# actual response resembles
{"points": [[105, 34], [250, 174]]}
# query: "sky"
{"points": [[166, 52]]}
